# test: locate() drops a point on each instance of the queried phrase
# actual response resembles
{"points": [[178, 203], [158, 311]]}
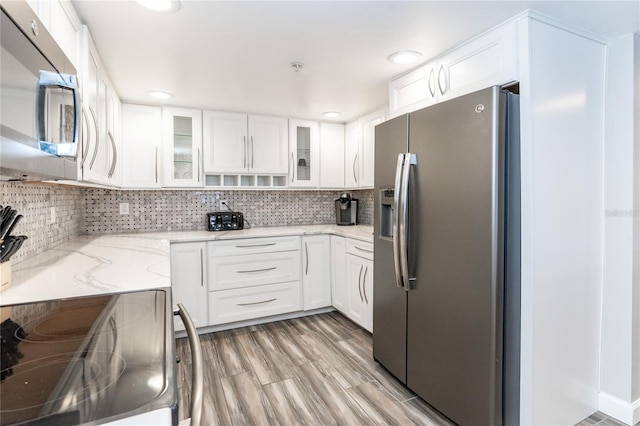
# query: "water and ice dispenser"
{"points": [[386, 212]]}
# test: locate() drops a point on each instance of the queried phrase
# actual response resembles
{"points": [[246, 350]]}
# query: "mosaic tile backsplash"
{"points": [[186, 210], [94, 211], [35, 202]]}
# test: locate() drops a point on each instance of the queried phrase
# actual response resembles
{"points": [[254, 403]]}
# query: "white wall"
{"points": [[562, 109], [620, 366]]}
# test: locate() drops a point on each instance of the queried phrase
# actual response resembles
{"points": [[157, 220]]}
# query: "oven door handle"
{"points": [[197, 371]]}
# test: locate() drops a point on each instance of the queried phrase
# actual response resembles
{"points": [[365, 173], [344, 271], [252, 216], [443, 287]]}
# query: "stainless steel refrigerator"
{"points": [[446, 315]]}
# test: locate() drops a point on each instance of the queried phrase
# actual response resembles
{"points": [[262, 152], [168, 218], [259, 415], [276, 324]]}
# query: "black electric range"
{"points": [[93, 359]]}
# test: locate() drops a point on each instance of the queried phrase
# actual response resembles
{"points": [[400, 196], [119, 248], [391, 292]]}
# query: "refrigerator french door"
{"points": [[446, 270]]}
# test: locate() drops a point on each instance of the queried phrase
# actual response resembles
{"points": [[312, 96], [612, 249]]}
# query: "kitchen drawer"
{"points": [[245, 246], [254, 302], [360, 248], [227, 272]]}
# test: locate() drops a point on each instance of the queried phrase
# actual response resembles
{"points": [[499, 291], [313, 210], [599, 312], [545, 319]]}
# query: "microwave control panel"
{"points": [[225, 221]]}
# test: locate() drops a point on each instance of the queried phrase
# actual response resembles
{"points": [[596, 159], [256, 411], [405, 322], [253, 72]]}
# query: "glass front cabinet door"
{"points": [[304, 155], [182, 151]]}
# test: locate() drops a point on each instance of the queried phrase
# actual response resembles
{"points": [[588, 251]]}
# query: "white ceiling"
{"points": [[236, 55]]}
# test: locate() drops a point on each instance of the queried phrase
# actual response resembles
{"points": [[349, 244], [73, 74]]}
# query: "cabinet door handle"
{"points": [[364, 250], [85, 152], [442, 73], [432, 83], [257, 303], [257, 270], [156, 165], [293, 168], [199, 159], [306, 255], [252, 153], [95, 150], [201, 267], [245, 164], [256, 245], [359, 283], [115, 155], [364, 287], [355, 161]]}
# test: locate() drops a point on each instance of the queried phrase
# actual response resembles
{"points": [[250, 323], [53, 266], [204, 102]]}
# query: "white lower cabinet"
{"points": [[253, 302], [316, 271], [227, 281], [230, 272], [339, 290], [188, 281], [253, 278], [353, 279]]}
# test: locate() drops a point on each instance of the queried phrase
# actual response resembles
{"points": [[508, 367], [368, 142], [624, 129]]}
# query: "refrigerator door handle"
{"points": [[396, 220], [409, 160]]}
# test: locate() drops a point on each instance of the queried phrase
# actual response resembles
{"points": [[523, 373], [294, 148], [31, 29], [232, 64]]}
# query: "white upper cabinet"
{"points": [[182, 147], [268, 144], [241, 143], [359, 150], [141, 135], [304, 153], [487, 60], [61, 20], [413, 91], [353, 135], [225, 143], [332, 151], [367, 147], [101, 119]]}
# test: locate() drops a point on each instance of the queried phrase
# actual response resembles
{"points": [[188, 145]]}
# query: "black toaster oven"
{"points": [[225, 221]]}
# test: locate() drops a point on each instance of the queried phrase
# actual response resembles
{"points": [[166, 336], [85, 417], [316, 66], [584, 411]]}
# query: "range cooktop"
{"points": [[91, 359]]}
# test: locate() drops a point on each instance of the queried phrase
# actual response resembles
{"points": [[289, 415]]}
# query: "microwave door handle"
{"points": [[95, 149], [397, 201]]}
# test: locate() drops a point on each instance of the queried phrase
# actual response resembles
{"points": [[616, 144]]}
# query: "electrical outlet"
{"points": [[223, 206], [53, 215], [124, 208]]}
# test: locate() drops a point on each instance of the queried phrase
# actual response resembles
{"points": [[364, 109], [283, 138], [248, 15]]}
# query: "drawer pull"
{"points": [[256, 245], [257, 270], [257, 303], [364, 250]]}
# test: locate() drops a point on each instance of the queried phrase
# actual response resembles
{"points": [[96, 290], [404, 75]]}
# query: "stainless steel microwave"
{"points": [[39, 100]]}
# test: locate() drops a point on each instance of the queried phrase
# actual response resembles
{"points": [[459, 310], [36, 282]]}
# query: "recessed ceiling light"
{"points": [[404, 57], [331, 114], [159, 94], [161, 5]]}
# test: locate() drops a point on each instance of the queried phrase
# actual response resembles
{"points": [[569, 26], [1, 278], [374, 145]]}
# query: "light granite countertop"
{"points": [[113, 263]]}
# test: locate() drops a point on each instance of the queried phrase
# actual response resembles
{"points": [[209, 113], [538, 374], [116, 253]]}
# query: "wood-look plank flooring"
{"points": [[315, 370]]}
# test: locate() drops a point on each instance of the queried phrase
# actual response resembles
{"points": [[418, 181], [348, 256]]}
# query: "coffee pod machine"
{"points": [[346, 210]]}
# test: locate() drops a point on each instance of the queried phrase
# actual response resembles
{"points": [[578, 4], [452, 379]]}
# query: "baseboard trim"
{"points": [[626, 412]]}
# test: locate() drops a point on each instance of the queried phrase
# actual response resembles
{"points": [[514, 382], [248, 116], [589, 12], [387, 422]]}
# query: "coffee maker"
{"points": [[346, 210]]}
